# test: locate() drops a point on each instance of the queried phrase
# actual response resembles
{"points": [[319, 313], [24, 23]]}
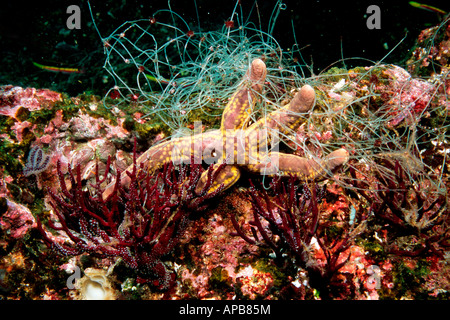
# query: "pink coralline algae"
{"points": [[217, 257], [13, 98], [410, 97], [254, 283], [81, 140], [17, 220], [21, 128], [84, 126]]}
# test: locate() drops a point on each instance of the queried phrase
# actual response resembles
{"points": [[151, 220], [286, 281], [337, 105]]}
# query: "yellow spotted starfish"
{"points": [[240, 145]]}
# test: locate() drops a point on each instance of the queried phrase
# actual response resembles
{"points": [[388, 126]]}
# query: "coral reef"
{"points": [[92, 205]]}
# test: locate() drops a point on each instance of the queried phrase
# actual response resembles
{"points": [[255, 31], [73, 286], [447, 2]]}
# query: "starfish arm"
{"points": [[239, 108], [227, 176], [152, 159], [203, 146], [290, 117], [305, 169]]}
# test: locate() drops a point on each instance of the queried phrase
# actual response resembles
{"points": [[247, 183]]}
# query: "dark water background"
{"points": [[328, 30]]}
